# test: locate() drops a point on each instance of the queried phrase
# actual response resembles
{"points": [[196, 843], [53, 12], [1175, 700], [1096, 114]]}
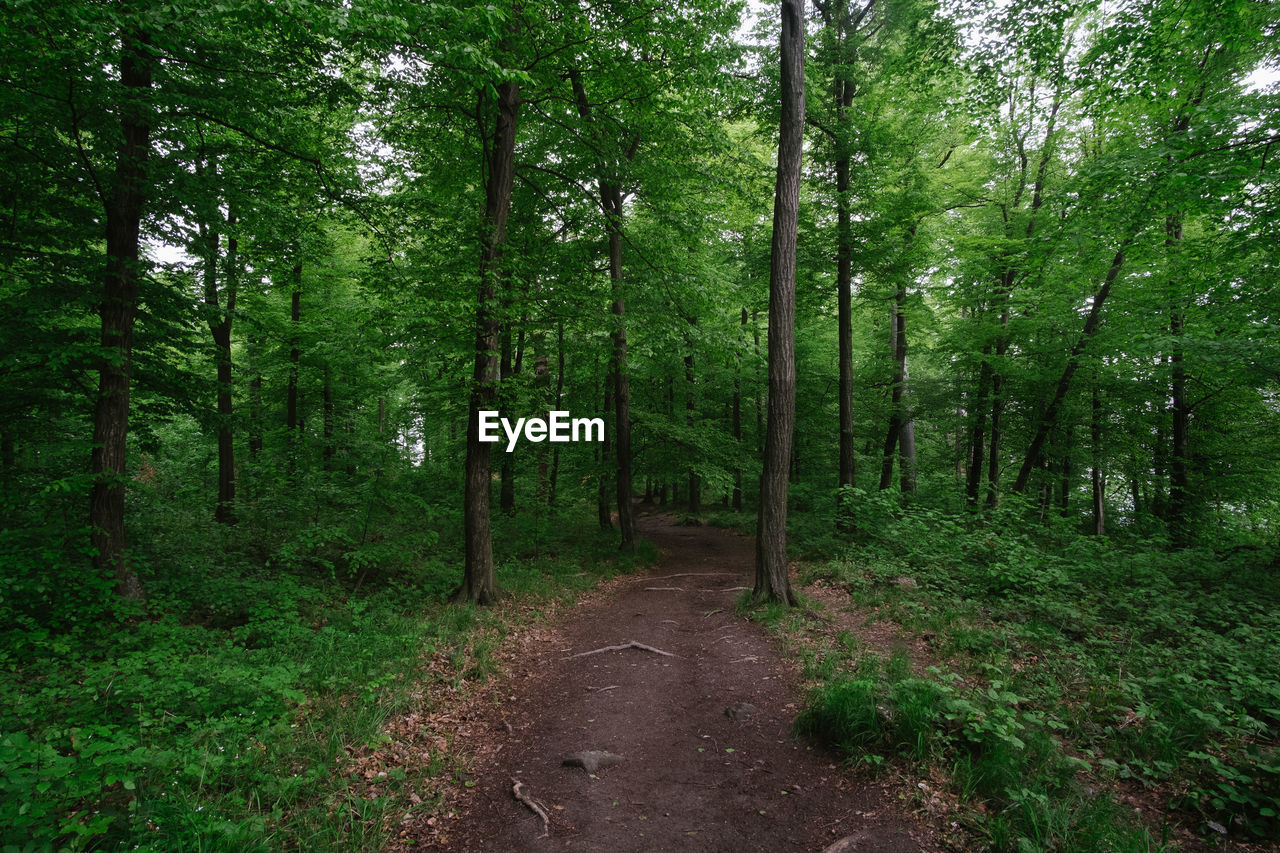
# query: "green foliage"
{"points": [[1001, 155], [1081, 659], [218, 715]]}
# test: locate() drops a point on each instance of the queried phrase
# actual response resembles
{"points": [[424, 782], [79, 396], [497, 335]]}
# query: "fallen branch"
{"points": [[603, 689], [630, 644], [690, 575], [726, 589], [517, 791], [664, 589]]}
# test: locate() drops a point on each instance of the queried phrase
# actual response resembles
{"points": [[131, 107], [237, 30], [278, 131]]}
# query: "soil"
{"points": [[704, 732]]}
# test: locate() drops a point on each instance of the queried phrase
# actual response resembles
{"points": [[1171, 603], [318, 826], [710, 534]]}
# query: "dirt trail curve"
{"points": [[708, 758]]}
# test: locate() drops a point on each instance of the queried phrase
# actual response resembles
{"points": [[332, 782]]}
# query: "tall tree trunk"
{"points": [[1160, 457], [610, 188], [603, 515], [1181, 409], [554, 476], [1004, 289], [1050, 417], [1095, 473], [220, 329], [907, 436], [295, 354], [898, 348], [737, 422], [997, 421], [845, 476], [255, 404], [960, 451], [759, 383], [690, 415], [542, 390], [478, 582], [772, 582], [671, 413], [621, 375], [117, 311], [506, 369], [1064, 474], [977, 435]]}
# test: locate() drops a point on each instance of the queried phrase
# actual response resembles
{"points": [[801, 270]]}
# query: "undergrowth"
{"points": [[222, 713], [1074, 665]]}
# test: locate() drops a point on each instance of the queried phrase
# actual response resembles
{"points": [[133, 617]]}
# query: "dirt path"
{"points": [[700, 770]]}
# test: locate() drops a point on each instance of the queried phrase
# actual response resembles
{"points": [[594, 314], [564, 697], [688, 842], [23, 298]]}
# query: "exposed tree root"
{"points": [[630, 644], [517, 791]]}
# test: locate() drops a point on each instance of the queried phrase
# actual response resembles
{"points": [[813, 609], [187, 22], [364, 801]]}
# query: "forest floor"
{"points": [[701, 720]]}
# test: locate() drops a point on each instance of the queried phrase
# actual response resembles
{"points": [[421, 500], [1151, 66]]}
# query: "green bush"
{"points": [[1157, 665]]}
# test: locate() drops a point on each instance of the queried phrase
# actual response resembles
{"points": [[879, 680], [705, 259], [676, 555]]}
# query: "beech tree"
{"points": [[772, 581]]}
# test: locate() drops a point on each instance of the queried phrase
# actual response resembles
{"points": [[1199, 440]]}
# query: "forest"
{"points": [[968, 309]]}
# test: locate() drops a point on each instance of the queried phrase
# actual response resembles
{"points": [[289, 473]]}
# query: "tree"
{"points": [[124, 210], [772, 582], [478, 582], [609, 182], [843, 23]]}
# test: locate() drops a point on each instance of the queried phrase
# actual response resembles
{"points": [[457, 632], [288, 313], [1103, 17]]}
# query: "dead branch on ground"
{"points": [[690, 575], [630, 644]]}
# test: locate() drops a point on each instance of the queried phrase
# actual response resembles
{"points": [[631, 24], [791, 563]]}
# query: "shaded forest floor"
{"points": [[703, 727], [940, 709], [961, 684]]}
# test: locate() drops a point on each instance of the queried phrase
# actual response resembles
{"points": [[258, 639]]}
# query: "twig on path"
{"points": [[751, 658], [712, 612], [689, 575], [603, 689], [726, 589], [517, 791], [630, 644], [664, 589]]}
